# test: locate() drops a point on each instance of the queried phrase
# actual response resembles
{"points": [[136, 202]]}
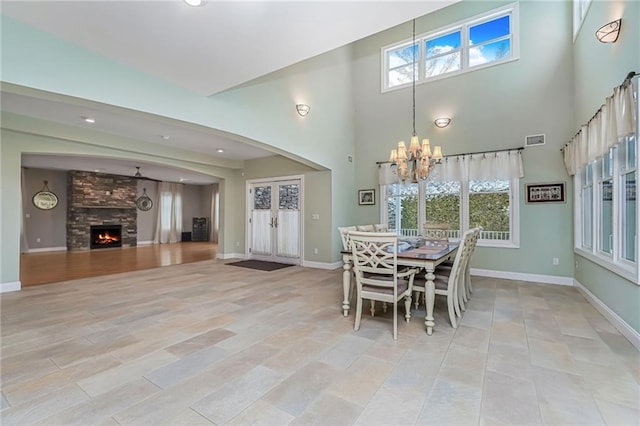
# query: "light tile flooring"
{"points": [[208, 343]]}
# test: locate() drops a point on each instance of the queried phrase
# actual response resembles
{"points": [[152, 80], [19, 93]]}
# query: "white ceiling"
{"points": [[205, 49]]}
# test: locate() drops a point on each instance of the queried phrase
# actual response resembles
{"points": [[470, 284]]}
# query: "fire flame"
{"points": [[106, 238]]}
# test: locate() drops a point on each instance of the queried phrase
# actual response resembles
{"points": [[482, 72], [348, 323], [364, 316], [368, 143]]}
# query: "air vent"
{"points": [[534, 140]]}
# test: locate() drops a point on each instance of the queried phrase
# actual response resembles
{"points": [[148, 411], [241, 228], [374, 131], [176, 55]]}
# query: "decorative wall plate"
{"points": [[45, 199], [143, 202]]}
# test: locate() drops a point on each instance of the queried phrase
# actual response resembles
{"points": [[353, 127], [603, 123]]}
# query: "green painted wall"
{"points": [[599, 68], [492, 108]]}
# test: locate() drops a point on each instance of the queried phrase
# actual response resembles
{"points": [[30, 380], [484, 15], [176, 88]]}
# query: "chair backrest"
{"points": [[436, 231], [366, 228], [344, 236], [381, 227], [462, 256], [375, 257]]}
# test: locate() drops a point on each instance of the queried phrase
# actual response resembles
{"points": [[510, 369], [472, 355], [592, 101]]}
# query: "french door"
{"points": [[274, 220]]}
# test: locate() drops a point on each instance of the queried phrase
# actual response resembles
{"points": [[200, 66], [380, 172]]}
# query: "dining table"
{"points": [[426, 254]]}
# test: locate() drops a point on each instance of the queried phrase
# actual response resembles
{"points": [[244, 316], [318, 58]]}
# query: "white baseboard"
{"points": [[144, 243], [43, 249], [520, 276], [625, 329], [322, 265], [225, 256], [7, 287]]}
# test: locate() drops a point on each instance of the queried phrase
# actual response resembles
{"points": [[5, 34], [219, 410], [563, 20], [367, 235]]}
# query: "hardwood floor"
{"points": [[57, 266], [210, 343]]}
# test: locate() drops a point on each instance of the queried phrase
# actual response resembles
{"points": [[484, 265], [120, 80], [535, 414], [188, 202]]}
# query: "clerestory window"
{"points": [[484, 40]]}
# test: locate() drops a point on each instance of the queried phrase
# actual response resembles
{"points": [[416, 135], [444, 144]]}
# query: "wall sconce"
{"points": [[442, 122], [609, 33], [303, 109]]}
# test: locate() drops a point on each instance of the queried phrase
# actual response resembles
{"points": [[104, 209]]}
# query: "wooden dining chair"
{"points": [[375, 264], [449, 285], [436, 231]]}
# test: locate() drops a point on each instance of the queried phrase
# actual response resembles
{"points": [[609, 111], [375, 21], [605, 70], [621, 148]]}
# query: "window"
{"points": [[614, 203], [482, 41], [462, 205], [580, 8]]}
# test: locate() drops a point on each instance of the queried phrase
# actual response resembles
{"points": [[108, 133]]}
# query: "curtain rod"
{"points": [[627, 80], [520, 148]]}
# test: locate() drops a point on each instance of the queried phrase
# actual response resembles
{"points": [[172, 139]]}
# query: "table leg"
{"points": [[430, 297], [346, 287]]}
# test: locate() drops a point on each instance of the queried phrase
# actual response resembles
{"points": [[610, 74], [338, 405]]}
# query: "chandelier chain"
{"points": [[413, 88]]}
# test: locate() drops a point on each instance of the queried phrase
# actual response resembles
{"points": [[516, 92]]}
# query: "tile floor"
{"points": [[207, 343]]}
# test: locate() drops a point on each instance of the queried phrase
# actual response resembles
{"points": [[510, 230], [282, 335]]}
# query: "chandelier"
{"points": [[417, 161]]}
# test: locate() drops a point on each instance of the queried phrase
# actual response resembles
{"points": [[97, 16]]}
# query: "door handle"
{"points": [[275, 221], [271, 223]]}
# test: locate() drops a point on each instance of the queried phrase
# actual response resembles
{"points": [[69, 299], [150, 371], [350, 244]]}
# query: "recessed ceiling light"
{"points": [[194, 2], [219, 150], [89, 119], [165, 137]]}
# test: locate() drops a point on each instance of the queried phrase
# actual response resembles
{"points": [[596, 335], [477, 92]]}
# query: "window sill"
{"points": [[498, 244], [627, 273]]}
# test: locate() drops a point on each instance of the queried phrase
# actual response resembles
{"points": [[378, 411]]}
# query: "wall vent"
{"points": [[534, 140]]}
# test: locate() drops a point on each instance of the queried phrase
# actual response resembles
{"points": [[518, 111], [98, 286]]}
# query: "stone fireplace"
{"points": [[100, 200]]}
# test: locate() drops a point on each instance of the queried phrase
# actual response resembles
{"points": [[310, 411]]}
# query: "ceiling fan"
{"points": [[138, 175]]}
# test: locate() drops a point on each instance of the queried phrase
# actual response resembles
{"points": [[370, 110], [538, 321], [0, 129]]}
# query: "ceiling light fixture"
{"points": [[219, 150], [194, 3], [165, 137], [89, 119], [303, 109], [609, 33], [417, 162], [442, 122]]}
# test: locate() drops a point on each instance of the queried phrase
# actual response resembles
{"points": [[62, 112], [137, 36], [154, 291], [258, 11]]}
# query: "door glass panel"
{"points": [[261, 221], [262, 198], [288, 225], [289, 197]]}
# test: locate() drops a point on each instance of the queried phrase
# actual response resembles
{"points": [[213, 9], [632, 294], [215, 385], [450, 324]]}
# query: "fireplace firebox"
{"points": [[106, 236]]}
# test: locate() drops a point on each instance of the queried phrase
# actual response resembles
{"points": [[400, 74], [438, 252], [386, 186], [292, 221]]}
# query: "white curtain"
{"points": [[386, 175], [169, 219], [614, 120], [215, 213], [261, 232], [288, 230], [24, 243], [482, 166]]}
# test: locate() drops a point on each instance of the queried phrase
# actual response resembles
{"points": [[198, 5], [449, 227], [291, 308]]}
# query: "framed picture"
{"points": [[545, 193], [366, 197]]}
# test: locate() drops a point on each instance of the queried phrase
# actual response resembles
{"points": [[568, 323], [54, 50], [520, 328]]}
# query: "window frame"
{"points": [[514, 212], [580, 9], [615, 261], [464, 28]]}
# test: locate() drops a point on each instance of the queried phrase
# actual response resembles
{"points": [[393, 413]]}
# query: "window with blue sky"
{"points": [[481, 41]]}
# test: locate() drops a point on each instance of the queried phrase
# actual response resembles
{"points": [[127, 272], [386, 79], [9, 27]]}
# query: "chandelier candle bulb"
{"points": [[437, 153], [426, 148]]}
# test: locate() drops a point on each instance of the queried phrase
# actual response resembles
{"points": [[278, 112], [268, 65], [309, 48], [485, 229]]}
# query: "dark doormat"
{"points": [[261, 265]]}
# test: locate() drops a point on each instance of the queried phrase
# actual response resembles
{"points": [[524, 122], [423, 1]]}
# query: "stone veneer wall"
{"points": [[100, 199]]}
